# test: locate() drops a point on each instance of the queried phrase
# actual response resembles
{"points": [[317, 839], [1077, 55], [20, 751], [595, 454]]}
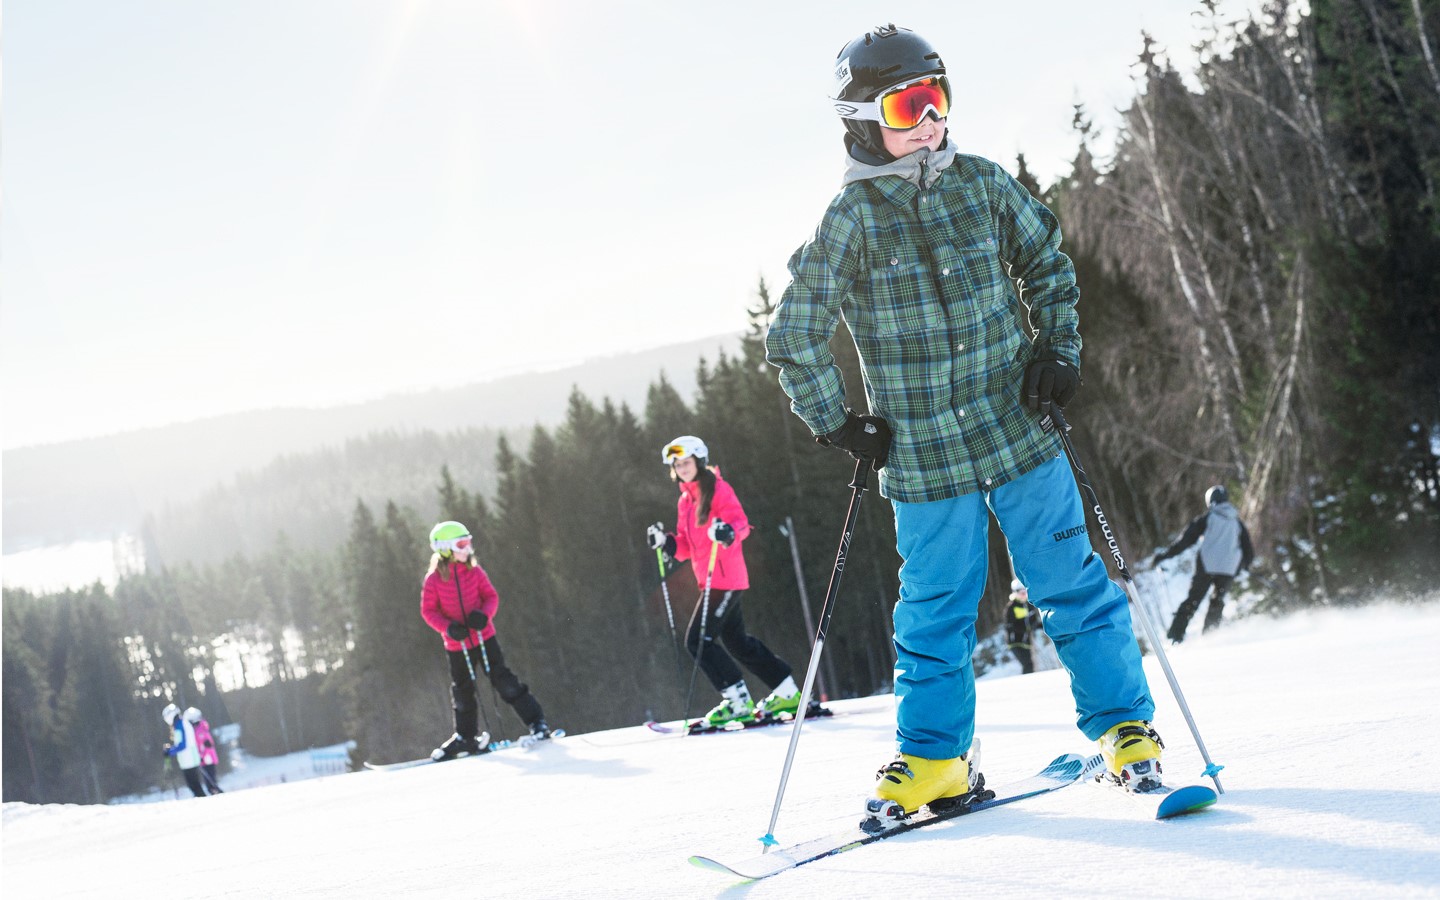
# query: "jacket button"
{"points": [[894, 261], [945, 271]]}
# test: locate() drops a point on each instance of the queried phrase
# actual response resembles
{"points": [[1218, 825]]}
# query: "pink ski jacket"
{"points": [[446, 600], [692, 540], [208, 756]]}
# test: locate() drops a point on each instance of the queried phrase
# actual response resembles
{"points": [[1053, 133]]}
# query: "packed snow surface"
{"points": [[1326, 722]]}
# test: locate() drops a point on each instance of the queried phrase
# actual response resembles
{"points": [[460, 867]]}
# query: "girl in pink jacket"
{"points": [[209, 757], [458, 600], [710, 517]]}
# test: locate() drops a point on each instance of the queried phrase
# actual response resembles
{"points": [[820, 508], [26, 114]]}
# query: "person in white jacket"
{"points": [[184, 748]]}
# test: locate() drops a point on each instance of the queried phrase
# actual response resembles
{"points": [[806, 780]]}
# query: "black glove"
{"points": [[1050, 381], [457, 631], [863, 437], [722, 532], [655, 536], [165, 751], [477, 619]]}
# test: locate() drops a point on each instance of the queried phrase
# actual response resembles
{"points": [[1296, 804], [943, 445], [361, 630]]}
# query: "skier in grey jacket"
{"points": [[1225, 552]]}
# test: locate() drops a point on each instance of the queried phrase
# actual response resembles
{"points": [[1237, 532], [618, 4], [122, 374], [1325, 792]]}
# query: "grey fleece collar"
{"points": [[907, 167]]}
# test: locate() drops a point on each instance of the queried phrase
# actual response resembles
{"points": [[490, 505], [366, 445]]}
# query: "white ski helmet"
{"points": [[192, 715], [683, 446], [1015, 585], [169, 713]]}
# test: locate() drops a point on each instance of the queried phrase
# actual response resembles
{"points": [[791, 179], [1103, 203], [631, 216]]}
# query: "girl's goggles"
{"points": [[904, 106], [462, 544]]}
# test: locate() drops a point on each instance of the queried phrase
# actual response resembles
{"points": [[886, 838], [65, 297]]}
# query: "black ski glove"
{"points": [[863, 437], [477, 619], [457, 631], [722, 532], [1050, 381]]}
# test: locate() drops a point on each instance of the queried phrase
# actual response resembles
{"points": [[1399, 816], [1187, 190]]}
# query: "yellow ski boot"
{"points": [[1132, 756], [910, 782]]}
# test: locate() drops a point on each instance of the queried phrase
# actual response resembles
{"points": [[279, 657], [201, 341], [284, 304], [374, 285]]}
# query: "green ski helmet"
{"points": [[447, 537]]}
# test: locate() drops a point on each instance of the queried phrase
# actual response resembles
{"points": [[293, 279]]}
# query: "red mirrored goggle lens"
{"points": [[462, 544], [906, 107]]}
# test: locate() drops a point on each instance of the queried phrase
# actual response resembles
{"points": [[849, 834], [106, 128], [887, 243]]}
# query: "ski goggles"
{"points": [[903, 106], [463, 544], [676, 452]]}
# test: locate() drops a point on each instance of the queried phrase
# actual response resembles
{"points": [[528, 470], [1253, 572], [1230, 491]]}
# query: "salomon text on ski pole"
{"points": [[1128, 583], [857, 487]]}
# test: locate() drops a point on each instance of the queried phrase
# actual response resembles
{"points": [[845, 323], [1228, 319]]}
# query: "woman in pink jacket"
{"points": [[459, 601], [710, 514]]}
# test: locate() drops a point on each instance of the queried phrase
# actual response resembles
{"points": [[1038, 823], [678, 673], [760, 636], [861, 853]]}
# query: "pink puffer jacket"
{"points": [[692, 540], [451, 599]]}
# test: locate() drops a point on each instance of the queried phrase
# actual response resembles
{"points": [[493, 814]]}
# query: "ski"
{"points": [[525, 742], [1064, 770], [698, 727], [1165, 802]]}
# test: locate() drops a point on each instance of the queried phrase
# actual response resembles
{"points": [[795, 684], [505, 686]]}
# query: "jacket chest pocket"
{"points": [[903, 293]]}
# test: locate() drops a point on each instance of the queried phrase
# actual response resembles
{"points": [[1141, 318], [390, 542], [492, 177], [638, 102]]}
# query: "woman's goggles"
{"points": [[676, 452], [904, 106], [462, 544]]}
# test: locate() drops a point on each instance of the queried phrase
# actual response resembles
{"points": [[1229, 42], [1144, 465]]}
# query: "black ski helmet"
{"points": [[878, 59], [1216, 494]]}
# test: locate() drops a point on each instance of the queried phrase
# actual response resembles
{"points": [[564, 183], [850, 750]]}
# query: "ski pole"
{"points": [[484, 661], [704, 614], [1211, 769], [857, 487], [669, 615]]}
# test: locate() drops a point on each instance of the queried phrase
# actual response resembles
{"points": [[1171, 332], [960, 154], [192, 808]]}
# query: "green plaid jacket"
{"points": [[927, 282]]}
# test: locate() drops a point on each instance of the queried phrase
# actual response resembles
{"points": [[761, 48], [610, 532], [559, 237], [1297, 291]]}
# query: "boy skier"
{"points": [[921, 252]]}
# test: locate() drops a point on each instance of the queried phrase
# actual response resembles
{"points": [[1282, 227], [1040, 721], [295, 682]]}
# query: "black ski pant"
{"points": [[193, 781], [505, 682], [1199, 585], [212, 780], [1024, 657], [724, 621]]}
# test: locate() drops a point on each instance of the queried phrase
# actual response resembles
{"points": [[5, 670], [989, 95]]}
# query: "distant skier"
{"points": [[209, 757], [1225, 552], [1021, 620], [183, 748], [458, 600], [925, 252], [710, 513]]}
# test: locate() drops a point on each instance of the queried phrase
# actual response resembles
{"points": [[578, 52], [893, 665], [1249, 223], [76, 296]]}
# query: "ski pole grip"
{"points": [[862, 474], [1058, 417]]}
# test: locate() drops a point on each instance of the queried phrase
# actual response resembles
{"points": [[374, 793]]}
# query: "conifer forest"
{"points": [[1259, 267]]}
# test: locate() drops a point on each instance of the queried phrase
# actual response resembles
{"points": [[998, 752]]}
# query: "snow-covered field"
{"points": [[1327, 723]]}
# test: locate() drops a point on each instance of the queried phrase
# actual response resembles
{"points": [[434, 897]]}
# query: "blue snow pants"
{"points": [[943, 545]]}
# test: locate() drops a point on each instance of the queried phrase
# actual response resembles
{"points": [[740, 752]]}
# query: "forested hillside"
{"points": [[1260, 308]]}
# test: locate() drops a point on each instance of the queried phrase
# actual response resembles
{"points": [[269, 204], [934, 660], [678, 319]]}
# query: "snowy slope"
{"points": [[1327, 723]]}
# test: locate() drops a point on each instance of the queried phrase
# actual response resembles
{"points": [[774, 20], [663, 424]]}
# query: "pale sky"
{"points": [[212, 206]]}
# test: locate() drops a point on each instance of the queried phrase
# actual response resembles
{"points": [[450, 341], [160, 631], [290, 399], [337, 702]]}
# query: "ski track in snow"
{"points": [[1326, 722]]}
